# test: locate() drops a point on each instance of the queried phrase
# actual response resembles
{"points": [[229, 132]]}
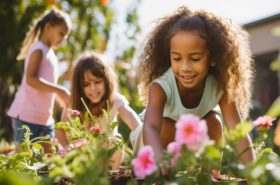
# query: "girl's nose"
{"points": [[92, 86], [186, 66]]}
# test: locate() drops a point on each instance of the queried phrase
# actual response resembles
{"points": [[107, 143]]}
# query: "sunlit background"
{"points": [[117, 28], [239, 11]]}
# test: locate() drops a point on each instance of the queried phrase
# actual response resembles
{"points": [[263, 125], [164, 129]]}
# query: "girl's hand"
{"points": [[216, 175], [63, 97]]}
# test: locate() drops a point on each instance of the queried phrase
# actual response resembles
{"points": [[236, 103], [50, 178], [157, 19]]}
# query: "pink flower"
{"points": [[192, 131], [80, 142], [174, 148], [263, 121], [95, 129], [144, 164], [73, 113], [62, 152]]}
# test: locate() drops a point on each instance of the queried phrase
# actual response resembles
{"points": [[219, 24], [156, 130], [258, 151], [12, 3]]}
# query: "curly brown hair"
{"points": [[228, 46], [99, 67]]}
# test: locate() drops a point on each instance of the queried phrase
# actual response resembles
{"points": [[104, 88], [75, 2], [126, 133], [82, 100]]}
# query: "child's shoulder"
{"points": [[166, 77], [166, 81], [212, 81], [39, 45]]}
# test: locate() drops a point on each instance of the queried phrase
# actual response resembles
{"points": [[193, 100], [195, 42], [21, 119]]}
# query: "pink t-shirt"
{"points": [[32, 105]]}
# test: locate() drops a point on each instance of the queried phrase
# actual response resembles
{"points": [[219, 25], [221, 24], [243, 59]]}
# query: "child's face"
{"points": [[56, 34], [93, 87], [189, 59]]}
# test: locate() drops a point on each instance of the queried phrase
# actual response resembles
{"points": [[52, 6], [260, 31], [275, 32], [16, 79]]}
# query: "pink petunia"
{"points": [[191, 131], [95, 129], [73, 113], [144, 164], [174, 148], [263, 121], [62, 152], [80, 142]]}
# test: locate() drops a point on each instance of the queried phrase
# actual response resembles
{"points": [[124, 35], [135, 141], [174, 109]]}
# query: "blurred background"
{"points": [[117, 27]]}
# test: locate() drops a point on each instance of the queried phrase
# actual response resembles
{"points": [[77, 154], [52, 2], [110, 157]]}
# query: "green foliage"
{"points": [[83, 165], [240, 131], [89, 163], [195, 167], [11, 177], [23, 165], [265, 170], [274, 110]]}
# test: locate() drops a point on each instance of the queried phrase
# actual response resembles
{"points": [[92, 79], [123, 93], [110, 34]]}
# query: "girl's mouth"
{"points": [[188, 78]]}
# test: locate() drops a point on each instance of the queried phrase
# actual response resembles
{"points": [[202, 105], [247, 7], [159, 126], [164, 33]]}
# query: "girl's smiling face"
{"points": [[93, 87], [56, 34], [189, 59]]}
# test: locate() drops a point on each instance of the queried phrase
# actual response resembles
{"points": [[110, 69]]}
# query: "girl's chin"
{"points": [[95, 101]]}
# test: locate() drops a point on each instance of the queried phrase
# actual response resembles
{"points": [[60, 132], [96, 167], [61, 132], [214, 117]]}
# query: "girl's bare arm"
{"points": [[232, 118], [60, 133], [129, 116], [153, 119], [34, 81]]}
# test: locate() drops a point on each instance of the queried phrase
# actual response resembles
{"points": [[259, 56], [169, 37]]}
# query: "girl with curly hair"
{"points": [[193, 62]]}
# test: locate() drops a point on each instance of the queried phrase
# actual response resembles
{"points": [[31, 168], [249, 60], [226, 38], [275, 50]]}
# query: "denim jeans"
{"points": [[36, 130]]}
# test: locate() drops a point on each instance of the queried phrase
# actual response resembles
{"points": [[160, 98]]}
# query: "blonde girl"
{"points": [[34, 101]]}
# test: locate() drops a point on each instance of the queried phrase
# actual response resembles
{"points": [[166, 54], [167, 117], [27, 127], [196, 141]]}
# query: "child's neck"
{"points": [[191, 98], [45, 41]]}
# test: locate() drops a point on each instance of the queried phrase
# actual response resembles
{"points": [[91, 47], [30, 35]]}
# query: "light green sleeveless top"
{"points": [[174, 108]]}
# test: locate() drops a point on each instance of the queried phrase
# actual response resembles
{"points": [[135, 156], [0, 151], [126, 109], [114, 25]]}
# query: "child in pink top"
{"points": [[34, 101]]}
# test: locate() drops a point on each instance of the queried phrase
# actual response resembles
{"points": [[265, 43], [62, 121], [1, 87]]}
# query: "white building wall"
{"points": [[262, 38]]}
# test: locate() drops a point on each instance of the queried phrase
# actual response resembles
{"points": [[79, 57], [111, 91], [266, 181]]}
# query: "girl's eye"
{"points": [[176, 59], [196, 59], [98, 82], [85, 84]]}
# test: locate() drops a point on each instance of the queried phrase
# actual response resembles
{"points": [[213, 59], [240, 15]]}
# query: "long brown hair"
{"points": [[99, 67], [228, 48], [52, 16]]}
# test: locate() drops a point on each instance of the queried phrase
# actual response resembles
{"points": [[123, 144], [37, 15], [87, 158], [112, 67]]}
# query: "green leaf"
{"points": [[114, 124], [59, 124], [88, 111], [274, 110], [240, 131], [267, 150], [213, 152], [275, 65]]}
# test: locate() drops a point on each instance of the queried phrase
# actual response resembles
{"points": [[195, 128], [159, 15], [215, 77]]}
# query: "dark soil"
{"points": [[122, 176]]}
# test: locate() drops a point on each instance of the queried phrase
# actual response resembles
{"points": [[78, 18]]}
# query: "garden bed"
{"points": [[124, 175]]}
